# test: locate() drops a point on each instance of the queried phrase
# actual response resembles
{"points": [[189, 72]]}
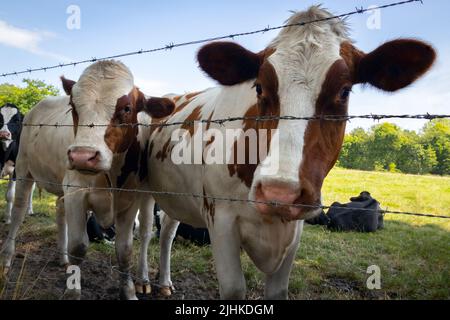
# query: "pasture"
{"points": [[412, 252]]}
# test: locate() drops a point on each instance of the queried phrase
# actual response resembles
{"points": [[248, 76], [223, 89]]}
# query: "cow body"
{"points": [[68, 159], [306, 71], [11, 127]]}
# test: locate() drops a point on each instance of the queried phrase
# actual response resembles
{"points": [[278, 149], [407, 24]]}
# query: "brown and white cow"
{"points": [[106, 155], [305, 71]]}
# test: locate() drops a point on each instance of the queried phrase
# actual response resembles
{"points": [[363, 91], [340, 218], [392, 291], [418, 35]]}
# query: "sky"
{"points": [[36, 34]]}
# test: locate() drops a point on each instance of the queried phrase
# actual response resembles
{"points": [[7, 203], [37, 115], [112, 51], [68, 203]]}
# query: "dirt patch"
{"points": [[36, 275]]}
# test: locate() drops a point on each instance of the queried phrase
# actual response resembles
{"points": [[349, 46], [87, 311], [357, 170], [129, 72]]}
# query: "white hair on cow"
{"points": [[306, 52], [103, 82], [316, 33]]}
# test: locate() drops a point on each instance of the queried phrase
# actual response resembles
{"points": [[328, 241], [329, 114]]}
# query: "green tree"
{"points": [[436, 136], [384, 145], [354, 151], [28, 96], [388, 147]]}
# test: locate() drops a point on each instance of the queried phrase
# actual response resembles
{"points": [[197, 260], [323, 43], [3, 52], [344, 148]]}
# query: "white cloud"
{"points": [[27, 40]]}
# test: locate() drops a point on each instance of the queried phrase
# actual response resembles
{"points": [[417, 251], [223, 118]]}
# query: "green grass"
{"points": [[412, 252]]}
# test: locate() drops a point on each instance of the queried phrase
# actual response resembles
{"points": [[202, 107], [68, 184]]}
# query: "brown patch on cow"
{"points": [[188, 99], [67, 85], [75, 117], [228, 62], [131, 164], [208, 121], [150, 151], [177, 98], [268, 106], [157, 125], [164, 152], [323, 139], [352, 57], [210, 208], [122, 129], [143, 168], [189, 122], [192, 95], [392, 66]]}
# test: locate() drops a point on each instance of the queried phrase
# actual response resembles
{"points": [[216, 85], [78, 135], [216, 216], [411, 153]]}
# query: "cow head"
{"points": [[10, 124], [309, 71], [106, 97]]}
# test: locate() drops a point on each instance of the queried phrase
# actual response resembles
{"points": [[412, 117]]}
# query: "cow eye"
{"points": [[127, 109], [345, 93], [259, 89]]}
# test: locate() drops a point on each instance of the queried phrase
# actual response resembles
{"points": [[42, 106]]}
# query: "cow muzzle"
{"points": [[5, 135], [286, 201], [85, 160]]}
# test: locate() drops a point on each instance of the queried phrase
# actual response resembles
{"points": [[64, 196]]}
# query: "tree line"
{"points": [[387, 147]]}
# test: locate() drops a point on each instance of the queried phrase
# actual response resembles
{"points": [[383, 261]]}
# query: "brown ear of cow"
{"points": [[67, 85], [229, 63], [396, 64], [159, 107]]}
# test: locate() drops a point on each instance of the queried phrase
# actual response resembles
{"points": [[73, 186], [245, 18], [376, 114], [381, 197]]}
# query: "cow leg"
{"points": [[226, 247], [30, 201], [62, 232], [9, 200], [168, 231], [23, 189], [75, 209], [124, 220], [147, 203], [277, 283]]}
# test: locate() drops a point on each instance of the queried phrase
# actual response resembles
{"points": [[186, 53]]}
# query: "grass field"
{"points": [[412, 252]]}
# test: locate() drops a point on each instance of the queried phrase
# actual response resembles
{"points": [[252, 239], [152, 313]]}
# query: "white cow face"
{"points": [[106, 97], [308, 72], [10, 125]]}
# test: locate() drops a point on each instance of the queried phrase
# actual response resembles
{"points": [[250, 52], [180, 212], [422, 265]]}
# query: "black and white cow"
{"points": [[11, 127]]}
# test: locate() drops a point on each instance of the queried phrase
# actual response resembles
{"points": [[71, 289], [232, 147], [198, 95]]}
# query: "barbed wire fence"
{"points": [[221, 122], [171, 45]]}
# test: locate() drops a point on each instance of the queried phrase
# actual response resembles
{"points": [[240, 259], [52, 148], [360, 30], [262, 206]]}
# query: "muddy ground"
{"points": [[37, 275]]}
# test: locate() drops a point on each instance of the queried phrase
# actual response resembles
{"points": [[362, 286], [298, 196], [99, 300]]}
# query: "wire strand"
{"points": [[172, 45]]}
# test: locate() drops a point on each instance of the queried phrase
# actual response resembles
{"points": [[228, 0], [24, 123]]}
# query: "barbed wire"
{"points": [[172, 45], [221, 199], [337, 118]]}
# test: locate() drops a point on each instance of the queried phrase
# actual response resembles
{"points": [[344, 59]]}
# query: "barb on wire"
{"points": [[217, 198], [374, 117], [171, 45]]}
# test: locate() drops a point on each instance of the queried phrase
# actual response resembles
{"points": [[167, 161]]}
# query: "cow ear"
{"points": [[395, 64], [67, 85], [229, 63], [159, 107]]}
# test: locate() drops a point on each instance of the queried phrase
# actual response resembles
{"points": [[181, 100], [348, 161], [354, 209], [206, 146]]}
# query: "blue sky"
{"points": [[34, 34]]}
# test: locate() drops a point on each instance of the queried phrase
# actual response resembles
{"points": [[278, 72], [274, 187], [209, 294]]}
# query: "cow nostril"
{"points": [[96, 156]]}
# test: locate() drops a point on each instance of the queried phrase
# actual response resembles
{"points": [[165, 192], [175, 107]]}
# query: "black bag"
{"points": [[362, 214]]}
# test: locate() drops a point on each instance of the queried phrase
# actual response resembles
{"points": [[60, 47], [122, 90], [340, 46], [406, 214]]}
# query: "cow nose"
{"points": [[277, 193], [84, 159], [288, 201], [5, 135]]}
